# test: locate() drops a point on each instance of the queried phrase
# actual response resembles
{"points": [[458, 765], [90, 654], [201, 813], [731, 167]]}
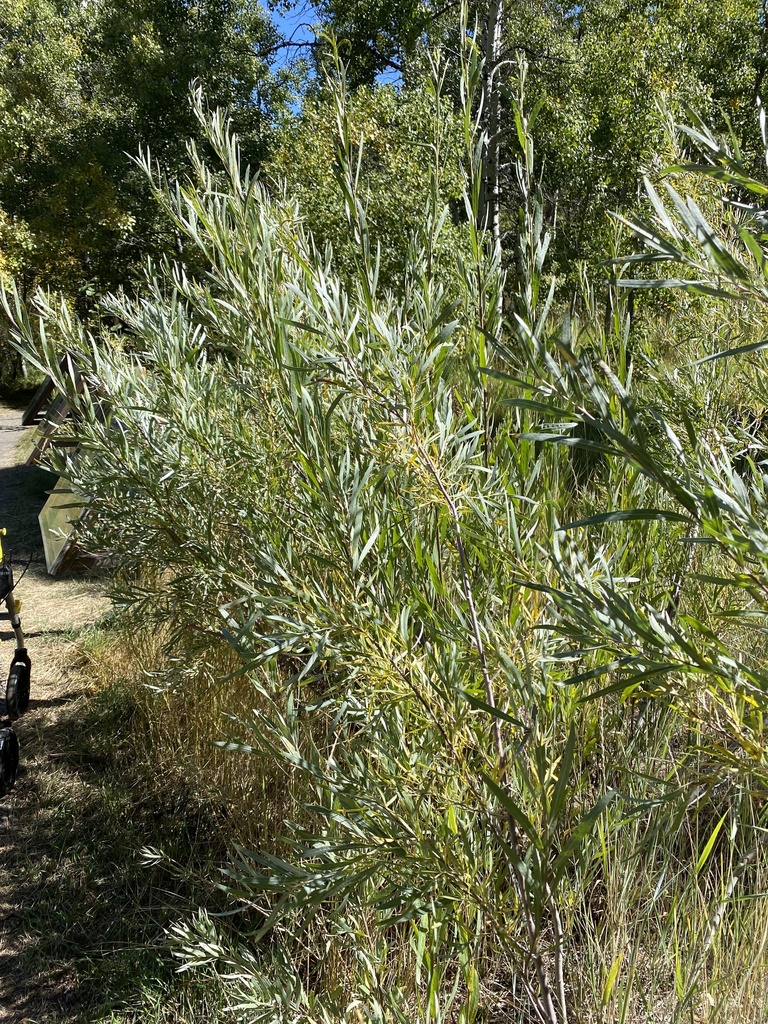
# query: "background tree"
{"points": [[394, 175], [82, 88], [601, 75], [598, 69]]}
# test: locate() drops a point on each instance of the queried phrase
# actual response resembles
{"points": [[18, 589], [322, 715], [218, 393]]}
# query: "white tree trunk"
{"points": [[492, 47]]}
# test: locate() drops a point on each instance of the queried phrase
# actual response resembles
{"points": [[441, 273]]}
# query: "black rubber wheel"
{"points": [[9, 759], [17, 690]]}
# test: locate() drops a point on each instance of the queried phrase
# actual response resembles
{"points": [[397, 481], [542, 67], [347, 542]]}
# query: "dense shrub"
{"points": [[504, 695]]}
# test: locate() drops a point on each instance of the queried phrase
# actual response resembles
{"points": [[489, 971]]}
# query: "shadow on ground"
{"points": [[85, 932], [52, 606], [23, 492]]}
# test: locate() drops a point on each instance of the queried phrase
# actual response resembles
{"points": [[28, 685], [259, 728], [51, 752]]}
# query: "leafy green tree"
{"points": [[598, 69], [82, 87], [378, 34], [601, 123], [396, 131]]}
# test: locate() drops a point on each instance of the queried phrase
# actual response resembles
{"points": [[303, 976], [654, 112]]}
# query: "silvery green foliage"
{"points": [[709, 478], [307, 472], [359, 492]]}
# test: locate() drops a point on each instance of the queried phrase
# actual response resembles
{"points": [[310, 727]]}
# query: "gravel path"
{"points": [[52, 608]]}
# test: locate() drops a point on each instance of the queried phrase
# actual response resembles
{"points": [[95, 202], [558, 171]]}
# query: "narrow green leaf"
{"points": [[515, 812], [576, 839], [481, 705], [740, 350], [628, 515], [704, 856]]}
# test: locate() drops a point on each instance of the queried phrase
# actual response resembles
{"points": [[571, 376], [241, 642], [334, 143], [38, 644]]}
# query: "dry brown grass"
{"points": [[186, 711], [85, 918]]}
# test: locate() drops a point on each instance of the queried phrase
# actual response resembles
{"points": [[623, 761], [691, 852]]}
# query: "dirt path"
{"points": [[52, 611]]}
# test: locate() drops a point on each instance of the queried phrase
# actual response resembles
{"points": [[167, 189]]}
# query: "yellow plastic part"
{"points": [[2, 534]]}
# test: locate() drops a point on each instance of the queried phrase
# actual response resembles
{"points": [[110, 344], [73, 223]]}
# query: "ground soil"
{"points": [[54, 613]]}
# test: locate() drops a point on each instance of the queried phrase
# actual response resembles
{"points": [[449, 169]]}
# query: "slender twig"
{"points": [[549, 1014], [477, 636]]}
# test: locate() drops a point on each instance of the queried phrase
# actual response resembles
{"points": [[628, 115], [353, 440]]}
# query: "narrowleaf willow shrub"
{"points": [[489, 727]]}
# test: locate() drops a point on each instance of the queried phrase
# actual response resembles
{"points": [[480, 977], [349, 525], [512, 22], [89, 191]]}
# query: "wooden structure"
{"points": [[58, 518], [48, 410]]}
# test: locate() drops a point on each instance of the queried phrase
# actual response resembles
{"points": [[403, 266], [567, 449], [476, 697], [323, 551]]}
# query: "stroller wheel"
{"points": [[9, 759], [17, 690]]}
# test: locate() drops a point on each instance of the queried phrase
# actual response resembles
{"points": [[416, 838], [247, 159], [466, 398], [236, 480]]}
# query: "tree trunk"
{"points": [[492, 48]]}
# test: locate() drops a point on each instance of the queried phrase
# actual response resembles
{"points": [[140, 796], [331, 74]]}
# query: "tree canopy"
{"points": [[82, 88]]}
